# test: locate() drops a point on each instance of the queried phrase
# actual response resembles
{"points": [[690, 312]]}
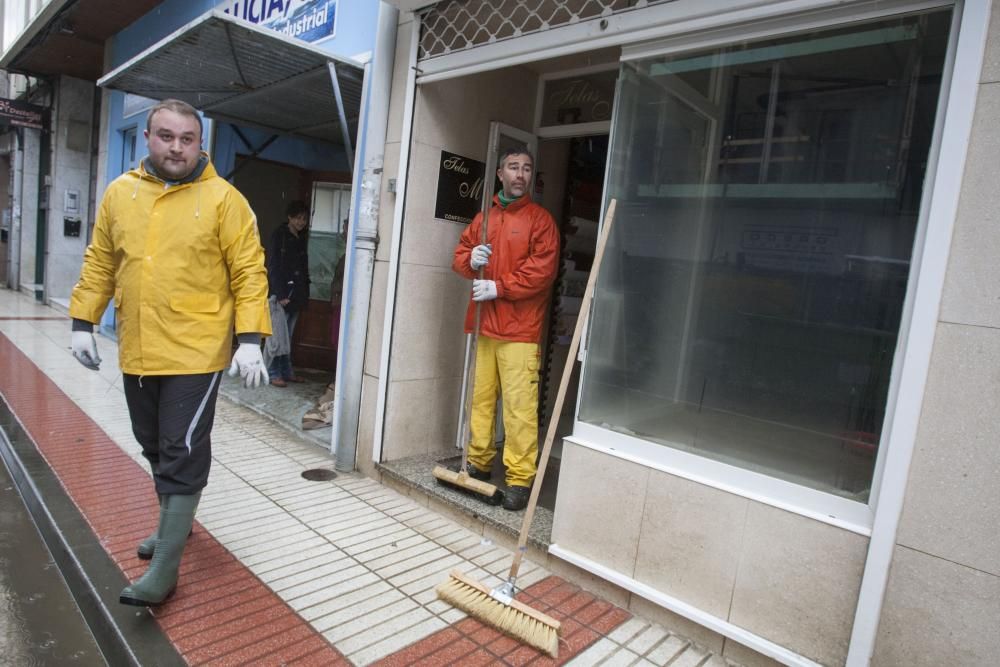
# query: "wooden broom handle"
{"points": [[574, 346]]}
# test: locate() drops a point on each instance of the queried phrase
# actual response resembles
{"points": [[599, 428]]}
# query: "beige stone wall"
{"points": [[787, 578], [942, 603]]}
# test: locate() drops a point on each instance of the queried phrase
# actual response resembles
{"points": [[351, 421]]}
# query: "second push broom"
{"points": [[497, 607]]}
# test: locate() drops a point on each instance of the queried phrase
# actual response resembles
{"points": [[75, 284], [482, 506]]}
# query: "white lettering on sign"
{"points": [[309, 19]]}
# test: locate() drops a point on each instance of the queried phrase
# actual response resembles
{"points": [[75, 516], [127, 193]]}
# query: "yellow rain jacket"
{"points": [[184, 264]]}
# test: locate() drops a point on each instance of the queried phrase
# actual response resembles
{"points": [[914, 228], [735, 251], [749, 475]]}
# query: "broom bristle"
{"points": [[505, 618]]}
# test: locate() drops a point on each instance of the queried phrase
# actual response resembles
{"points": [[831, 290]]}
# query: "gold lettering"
{"points": [[455, 164], [472, 190], [579, 91]]}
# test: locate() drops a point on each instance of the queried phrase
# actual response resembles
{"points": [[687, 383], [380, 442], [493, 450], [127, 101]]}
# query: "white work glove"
{"points": [[249, 363], [84, 347], [484, 290], [480, 256]]}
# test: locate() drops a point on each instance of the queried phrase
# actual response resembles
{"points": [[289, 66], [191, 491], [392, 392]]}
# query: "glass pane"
{"points": [[768, 195], [330, 207], [325, 250]]}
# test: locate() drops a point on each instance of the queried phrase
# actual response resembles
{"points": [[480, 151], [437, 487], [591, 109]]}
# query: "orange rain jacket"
{"points": [[524, 263]]}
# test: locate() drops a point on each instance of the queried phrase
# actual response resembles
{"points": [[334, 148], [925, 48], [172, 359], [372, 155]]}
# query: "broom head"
{"points": [[516, 619], [460, 480]]}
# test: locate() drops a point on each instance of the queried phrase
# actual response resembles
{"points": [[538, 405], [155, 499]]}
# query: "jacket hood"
{"points": [[203, 171]]}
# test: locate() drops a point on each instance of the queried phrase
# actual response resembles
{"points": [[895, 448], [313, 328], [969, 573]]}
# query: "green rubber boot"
{"points": [[148, 546], [160, 580]]}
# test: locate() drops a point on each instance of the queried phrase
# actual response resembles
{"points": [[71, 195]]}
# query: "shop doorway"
{"points": [[269, 187], [569, 183]]}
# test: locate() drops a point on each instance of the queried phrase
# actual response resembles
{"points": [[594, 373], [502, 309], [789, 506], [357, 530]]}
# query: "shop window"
{"points": [[769, 191]]}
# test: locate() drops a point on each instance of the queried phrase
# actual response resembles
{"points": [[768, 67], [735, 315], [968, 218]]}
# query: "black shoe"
{"points": [[476, 473], [516, 497]]}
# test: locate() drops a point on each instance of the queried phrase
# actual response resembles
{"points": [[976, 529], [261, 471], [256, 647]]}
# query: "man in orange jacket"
{"points": [[519, 263]]}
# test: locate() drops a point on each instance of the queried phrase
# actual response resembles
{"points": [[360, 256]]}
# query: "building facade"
{"points": [[777, 441]]}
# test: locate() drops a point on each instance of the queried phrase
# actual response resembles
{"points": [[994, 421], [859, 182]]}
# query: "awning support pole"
{"points": [[345, 130]]}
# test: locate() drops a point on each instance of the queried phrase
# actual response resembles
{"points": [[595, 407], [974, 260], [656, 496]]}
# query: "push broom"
{"points": [[460, 479], [497, 607]]}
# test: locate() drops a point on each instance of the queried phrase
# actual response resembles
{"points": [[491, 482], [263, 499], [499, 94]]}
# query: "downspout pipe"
{"points": [[359, 268], [406, 136]]}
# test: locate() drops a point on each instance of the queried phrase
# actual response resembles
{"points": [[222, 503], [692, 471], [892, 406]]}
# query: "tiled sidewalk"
{"points": [[282, 570]]}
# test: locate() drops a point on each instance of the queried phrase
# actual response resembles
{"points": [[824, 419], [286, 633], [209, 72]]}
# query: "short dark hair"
{"points": [[514, 151], [296, 208], [177, 106]]}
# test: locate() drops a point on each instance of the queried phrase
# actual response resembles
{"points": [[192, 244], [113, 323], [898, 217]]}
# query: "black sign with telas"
{"points": [[460, 188], [22, 114]]}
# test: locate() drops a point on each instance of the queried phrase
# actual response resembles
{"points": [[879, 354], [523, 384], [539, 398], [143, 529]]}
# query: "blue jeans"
{"points": [[281, 365]]}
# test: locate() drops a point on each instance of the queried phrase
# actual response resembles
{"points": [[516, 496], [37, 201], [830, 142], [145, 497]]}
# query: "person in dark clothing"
{"points": [[288, 280]]}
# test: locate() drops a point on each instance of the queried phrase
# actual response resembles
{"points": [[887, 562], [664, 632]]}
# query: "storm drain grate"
{"points": [[319, 475]]}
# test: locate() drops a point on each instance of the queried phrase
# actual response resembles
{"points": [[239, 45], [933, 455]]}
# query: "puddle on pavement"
{"points": [[40, 623]]}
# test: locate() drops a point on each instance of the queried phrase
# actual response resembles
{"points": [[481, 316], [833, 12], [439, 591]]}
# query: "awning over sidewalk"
{"points": [[67, 36], [237, 72]]}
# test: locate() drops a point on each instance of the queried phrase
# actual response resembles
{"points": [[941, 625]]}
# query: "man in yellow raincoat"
{"points": [[178, 250]]}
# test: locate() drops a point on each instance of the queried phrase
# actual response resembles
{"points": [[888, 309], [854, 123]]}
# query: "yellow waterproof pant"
{"points": [[511, 370]]}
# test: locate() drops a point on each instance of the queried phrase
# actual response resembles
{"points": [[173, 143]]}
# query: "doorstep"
{"points": [[414, 477]]}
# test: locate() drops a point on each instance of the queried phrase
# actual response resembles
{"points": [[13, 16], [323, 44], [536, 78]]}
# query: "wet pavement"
{"points": [[40, 623], [280, 570]]}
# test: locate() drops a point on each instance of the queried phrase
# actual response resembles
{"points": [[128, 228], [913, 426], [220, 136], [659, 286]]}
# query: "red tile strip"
{"points": [[585, 619], [221, 614]]}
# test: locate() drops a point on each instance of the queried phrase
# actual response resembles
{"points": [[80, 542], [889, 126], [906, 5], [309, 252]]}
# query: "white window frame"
{"points": [[331, 185], [573, 129], [903, 401]]}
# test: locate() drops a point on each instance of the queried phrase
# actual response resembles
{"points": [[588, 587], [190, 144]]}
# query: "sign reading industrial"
{"points": [[308, 20], [22, 114], [460, 188]]}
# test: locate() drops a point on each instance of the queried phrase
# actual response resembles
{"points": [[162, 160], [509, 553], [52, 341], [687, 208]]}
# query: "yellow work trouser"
{"points": [[511, 370]]}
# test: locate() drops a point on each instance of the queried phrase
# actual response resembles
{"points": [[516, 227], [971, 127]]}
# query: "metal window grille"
{"points": [[457, 25]]}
